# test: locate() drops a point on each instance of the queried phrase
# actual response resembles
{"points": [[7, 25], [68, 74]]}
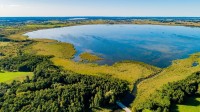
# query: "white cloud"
{"points": [[14, 5], [9, 5]]}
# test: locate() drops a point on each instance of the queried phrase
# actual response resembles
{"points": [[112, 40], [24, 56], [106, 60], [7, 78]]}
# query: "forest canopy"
{"points": [[52, 89]]}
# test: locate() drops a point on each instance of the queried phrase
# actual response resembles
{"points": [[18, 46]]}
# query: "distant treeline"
{"points": [[53, 90]]}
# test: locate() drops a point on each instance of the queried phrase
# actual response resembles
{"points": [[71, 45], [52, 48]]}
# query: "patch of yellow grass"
{"points": [[179, 70], [9, 49], [3, 44], [130, 71], [89, 57], [44, 40], [18, 36], [57, 49]]}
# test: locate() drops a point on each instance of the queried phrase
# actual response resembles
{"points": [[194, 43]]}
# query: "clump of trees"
{"points": [[53, 89], [172, 93], [23, 62]]}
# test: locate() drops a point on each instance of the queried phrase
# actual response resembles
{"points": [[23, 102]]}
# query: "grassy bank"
{"points": [[48, 47]]}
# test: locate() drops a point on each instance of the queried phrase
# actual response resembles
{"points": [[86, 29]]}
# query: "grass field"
{"points": [[192, 104], [8, 77], [180, 69]]}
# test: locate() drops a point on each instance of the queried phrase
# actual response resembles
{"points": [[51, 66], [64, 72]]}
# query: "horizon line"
{"points": [[99, 16]]}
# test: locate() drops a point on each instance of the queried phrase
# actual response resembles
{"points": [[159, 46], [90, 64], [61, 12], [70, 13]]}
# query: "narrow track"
{"points": [[129, 98]]}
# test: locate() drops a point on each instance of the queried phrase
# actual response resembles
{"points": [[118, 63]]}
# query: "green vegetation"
{"points": [[25, 63], [192, 104], [60, 84], [8, 77], [179, 70], [8, 49], [173, 23], [52, 89], [88, 57], [174, 92], [129, 71]]}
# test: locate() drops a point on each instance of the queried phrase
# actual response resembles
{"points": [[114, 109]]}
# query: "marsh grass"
{"points": [[129, 71], [47, 47], [9, 49], [88, 57]]}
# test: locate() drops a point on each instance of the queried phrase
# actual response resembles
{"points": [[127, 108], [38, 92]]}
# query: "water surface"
{"points": [[153, 44]]}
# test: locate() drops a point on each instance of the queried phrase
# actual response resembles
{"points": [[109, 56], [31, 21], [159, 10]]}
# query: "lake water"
{"points": [[153, 44]]}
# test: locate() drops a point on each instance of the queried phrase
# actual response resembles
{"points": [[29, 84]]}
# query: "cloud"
{"points": [[14, 5], [9, 5]]}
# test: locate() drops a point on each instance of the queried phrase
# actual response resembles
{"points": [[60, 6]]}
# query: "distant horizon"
{"points": [[110, 16]]}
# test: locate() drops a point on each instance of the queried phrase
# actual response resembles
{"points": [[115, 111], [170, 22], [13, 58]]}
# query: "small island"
{"points": [[88, 57]]}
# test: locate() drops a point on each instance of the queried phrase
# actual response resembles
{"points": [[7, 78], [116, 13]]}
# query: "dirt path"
{"points": [[129, 98], [135, 88]]}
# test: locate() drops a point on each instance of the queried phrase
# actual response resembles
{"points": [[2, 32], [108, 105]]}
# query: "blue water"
{"points": [[153, 44]]}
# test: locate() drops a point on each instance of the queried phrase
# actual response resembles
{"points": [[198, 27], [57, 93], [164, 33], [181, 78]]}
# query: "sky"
{"points": [[183, 8]]}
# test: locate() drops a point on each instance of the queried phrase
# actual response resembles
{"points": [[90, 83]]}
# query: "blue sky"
{"points": [[100, 8]]}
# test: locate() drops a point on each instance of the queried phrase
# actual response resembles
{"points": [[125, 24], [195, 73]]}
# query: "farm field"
{"points": [[8, 77]]}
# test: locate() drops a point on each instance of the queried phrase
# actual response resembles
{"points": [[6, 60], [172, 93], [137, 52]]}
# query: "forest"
{"points": [[53, 89]]}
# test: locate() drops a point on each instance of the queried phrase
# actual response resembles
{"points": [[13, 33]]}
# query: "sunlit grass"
{"points": [[192, 104], [89, 57], [9, 49], [17, 36], [130, 71], [47, 47], [8, 77]]}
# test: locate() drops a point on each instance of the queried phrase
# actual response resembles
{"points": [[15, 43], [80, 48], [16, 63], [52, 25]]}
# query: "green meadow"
{"points": [[8, 77], [191, 104]]}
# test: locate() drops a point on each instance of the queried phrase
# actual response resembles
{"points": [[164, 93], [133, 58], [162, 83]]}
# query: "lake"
{"points": [[153, 44]]}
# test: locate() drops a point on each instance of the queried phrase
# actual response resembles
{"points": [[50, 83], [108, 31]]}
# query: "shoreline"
{"points": [[107, 24]]}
